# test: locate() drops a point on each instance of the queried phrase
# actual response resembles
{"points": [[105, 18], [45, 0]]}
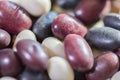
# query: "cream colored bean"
{"points": [[59, 69], [7, 78], [116, 76], [25, 34], [16, 2], [54, 47], [96, 52], [36, 7], [98, 24]]}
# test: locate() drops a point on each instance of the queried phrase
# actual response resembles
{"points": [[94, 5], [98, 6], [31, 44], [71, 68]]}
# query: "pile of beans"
{"points": [[59, 40]]}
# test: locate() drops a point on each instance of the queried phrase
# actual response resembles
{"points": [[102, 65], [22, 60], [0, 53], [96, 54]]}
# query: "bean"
{"points": [[112, 20], [36, 7], [42, 27], [105, 66], [87, 12], [9, 63], [54, 47], [25, 34], [32, 54], [65, 24], [5, 38], [7, 78], [98, 24], [16, 2], [116, 76], [13, 18], [59, 69], [78, 52], [104, 38], [29, 74]]}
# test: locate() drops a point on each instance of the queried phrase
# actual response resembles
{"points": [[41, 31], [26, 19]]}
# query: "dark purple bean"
{"points": [[65, 24], [104, 38], [5, 38], [112, 20], [32, 54], [78, 52], [105, 66], [9, 64], [88, 11], [42, 27], [29, 74], [13, 18], [67, 4]]}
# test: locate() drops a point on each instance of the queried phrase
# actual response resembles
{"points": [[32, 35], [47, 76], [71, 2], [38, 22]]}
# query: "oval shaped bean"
{"points": [[87, 12], [59, 69], [25, 34], [116, 76], [105, 66], [78, 52], [16, 2], [32, 54], [13, 18], [7, 78], [54, 47], [36, 7], [42, 27], [9, 63], [104, 38], [5, 38], [112, 20], [29, 74], [65, 24]]}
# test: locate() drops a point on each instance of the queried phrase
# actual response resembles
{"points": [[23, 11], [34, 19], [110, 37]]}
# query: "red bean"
{"points": [[32, 54], [65, 24], [13, 18], [88, 11], [9, 64], [78, 52], [105, 66]]}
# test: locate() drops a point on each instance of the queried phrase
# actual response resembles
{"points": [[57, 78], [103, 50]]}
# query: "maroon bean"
{"points": [[9, 64], [32, 54], [88, 11], [4, 38], [65, 24], [105, 66], [78, 52], [13, 18]]}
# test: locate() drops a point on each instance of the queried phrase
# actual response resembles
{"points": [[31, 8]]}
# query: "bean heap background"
{"points": [[59, 39]]}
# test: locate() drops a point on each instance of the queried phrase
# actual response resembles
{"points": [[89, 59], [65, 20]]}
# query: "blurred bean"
{"points": [[88, 11], [104, 38], [54, 47], [16, 2], [65, 24], [116, 76], [9, 63], [32, 54], [59, 69], [5, 38], [36, 7], [112, 20], [78, 52], [105, 66], [7, 78], [25, 34], [98, 24], [42, 27], [13, 18]]}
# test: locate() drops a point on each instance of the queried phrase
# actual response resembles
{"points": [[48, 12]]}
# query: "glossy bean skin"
{"points": [[5, 38], [13, 18], [65, 24], [42, 27], [104, 38], [32, 54], [9, 63], [7, 78], [78, 52], [88, 11], [67, 4], [105, 66], [29, 74], [112, 20]]}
